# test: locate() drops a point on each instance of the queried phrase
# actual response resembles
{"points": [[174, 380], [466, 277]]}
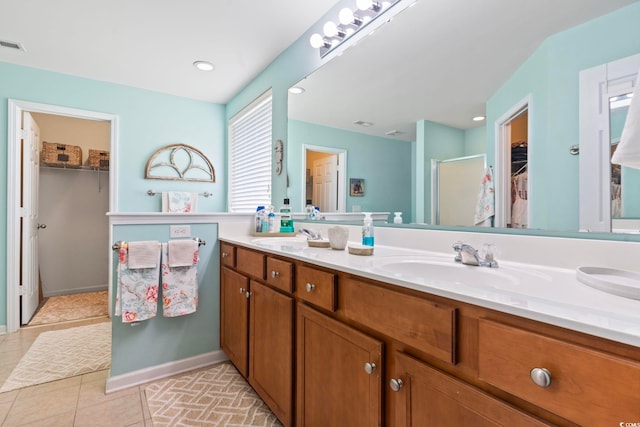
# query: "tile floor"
{"points": [[77, 401]]}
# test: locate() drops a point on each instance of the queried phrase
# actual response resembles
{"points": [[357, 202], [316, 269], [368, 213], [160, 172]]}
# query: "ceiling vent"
{"points": [[362, 123], [11, 45], [393, 133]]}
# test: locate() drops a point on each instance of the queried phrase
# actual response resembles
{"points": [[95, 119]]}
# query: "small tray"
{"points": [[361, 250], [274, 234], [618, 282], [318, 243]]}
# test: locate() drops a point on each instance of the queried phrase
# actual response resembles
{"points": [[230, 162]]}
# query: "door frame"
{"points": [[502, 178], [342, 172], [14, 211]]}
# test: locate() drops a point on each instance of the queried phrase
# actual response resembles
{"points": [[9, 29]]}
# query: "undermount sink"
{"points": [[617, 282], [441, 270], [282, 242]]}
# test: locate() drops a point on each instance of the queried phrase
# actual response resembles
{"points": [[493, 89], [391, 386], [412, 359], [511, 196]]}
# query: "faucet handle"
{"points": [[457, 246]]}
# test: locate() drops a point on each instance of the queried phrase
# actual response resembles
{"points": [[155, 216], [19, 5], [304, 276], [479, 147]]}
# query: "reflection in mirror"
{"points": [[324, 185], [418, 81]]}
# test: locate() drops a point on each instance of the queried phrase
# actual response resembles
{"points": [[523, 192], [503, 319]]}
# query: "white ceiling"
{"points": [[152, 44], [439, 60]]}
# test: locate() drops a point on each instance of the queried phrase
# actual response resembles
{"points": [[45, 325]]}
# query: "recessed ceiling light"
{"points": [[296, 90], [203, 65], [478, 118]]}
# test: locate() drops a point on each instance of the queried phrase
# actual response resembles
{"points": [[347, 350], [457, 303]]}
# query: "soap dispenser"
{"points": [[367, 230]]}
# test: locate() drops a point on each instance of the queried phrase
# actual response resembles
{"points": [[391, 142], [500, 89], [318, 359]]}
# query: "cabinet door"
{"points": [[271, 357], [333, 387], [234, 318], [428, 397]]}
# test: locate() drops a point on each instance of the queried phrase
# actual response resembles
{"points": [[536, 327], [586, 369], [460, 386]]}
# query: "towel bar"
{"points": [[117, 245], [153, 193]]}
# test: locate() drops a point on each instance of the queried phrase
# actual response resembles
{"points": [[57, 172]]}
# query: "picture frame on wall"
{"points": [[356, 187]]}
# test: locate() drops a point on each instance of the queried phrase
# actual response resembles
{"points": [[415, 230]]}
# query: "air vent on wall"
{"points": [[11, 45]]}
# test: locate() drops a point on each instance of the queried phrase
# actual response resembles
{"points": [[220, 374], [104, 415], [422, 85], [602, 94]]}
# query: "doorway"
{"points": [[17, 286], [512, 167], [324, 178]]}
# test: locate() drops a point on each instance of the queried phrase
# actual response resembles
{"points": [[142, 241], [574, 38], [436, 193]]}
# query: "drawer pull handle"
{"points": [[224, 254], [541, 377], [275, 274], [369, 367], [310, 287], [396, 384]]}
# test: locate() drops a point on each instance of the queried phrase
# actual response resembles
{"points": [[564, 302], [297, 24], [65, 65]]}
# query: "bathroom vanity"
{"points": [[329, 338]]}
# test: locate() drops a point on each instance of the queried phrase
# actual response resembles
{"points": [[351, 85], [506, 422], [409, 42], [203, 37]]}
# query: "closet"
{"points": [[518, 128]]}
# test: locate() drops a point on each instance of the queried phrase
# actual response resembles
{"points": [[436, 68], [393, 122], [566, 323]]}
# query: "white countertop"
{"points": [[551, 295]]}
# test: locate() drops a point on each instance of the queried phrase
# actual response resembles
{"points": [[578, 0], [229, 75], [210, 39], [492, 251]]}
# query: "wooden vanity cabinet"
{"points": [[426, 396], [234, 316], [257, 326], [368, 353], [339, 381]]}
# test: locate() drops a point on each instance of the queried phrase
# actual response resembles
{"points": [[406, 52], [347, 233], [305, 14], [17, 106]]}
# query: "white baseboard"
{"points": [[153, 373], [59, 292], [3, 329]]}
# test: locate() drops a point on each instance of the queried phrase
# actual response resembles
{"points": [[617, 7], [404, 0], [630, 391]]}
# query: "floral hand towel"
{"points": [[137, 289], [179, 286]]}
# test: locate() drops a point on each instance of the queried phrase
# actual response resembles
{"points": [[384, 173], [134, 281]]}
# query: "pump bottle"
{"points": [[367, 230]]}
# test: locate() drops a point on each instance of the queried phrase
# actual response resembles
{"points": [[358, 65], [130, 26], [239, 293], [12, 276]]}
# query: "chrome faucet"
{"points": [[312, 235], [466, 254]]}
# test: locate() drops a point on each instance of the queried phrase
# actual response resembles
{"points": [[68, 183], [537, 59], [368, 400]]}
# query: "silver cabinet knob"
{"points": [[242, 290], [42, 225], [541, 377], [275, 274], [369, 367], [310, 287], [248, 294], [396, 384], [224, 254]]}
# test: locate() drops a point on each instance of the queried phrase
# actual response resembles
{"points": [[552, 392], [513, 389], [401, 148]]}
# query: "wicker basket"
{"points": [[61, 155], [99, 159]]}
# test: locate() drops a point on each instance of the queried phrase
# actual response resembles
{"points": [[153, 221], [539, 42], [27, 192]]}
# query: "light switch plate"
{"points": [[179, 231]]}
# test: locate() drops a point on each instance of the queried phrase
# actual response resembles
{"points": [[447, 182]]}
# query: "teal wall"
{"points": [[162, 339], [475, 141], [147, 121], [551, 76], [383, 163]]}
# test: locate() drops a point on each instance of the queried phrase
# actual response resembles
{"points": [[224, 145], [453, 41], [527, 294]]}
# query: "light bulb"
{"points": [[316, 41], [346, 16], [330, 29], [364, 4]]}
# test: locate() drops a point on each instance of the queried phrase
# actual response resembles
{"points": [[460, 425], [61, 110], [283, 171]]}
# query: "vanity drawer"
{"points": [[250, 262], [586, 386], [228, 254], [280, 274], [317, 287], [422, 324]]}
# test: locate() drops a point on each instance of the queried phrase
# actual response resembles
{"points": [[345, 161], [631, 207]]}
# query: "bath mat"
{"points": [[218, 396], [65, 353], [72, 307]]}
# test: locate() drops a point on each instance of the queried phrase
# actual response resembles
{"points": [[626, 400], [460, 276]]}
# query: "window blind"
{"points": [[250, 156]]}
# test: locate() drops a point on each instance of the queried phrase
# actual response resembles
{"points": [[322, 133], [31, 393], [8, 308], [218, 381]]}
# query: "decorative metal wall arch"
{"points": [[197, 161]]}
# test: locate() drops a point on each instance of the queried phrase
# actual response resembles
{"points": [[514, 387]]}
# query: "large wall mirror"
{"points": [[406, 95]]}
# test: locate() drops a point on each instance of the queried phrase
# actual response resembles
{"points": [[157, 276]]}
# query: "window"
{"points": [[250, 156]]}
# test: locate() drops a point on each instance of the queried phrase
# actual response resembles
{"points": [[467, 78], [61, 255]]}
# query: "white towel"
{"points": [[179, 201], [628, 151], [137, 289], [143, 254], [182, 253], [485, 207], [179, 287]]}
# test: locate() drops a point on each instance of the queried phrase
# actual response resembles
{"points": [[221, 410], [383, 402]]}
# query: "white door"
{"points": [[30, 226], [325, 183]]}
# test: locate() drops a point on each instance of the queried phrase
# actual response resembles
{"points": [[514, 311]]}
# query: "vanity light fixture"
{"points": [[350, 22], [203, 65]]}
